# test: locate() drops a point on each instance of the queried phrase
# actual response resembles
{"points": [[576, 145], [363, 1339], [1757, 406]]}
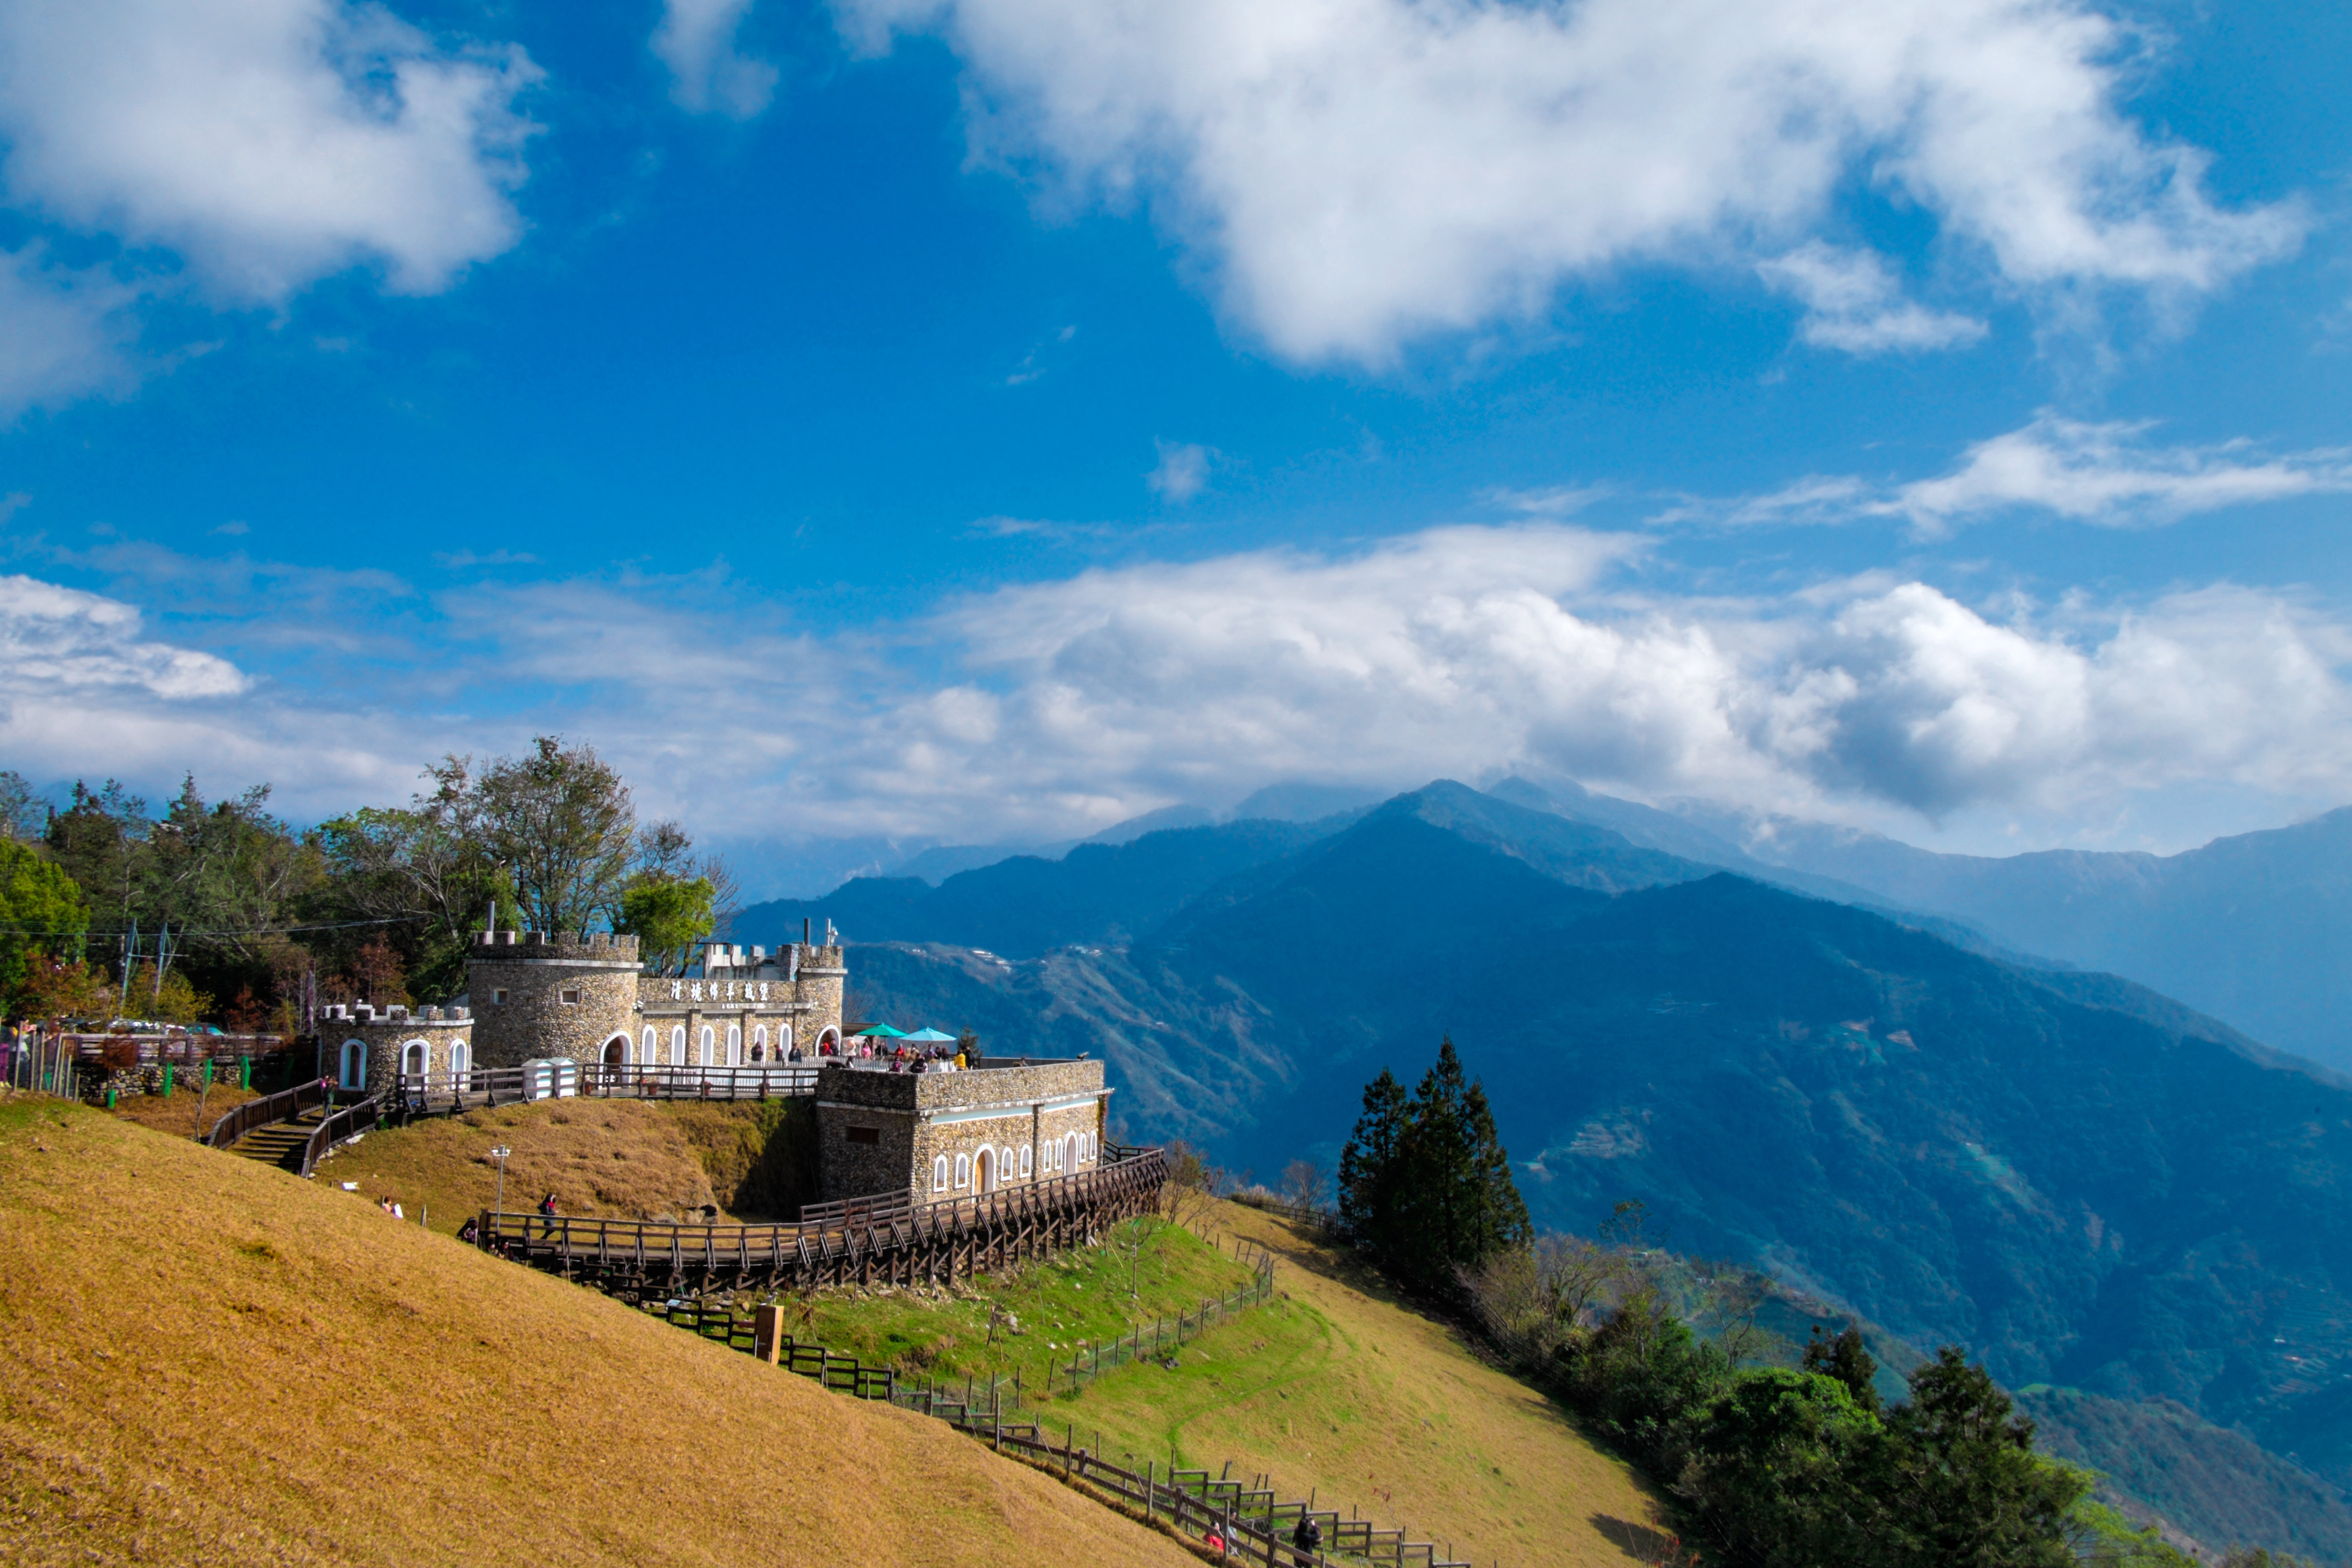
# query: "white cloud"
{"points": [[269, 142], [1181, 473], [62, 333], [1030, 711], [696, 38], [247, 148], [1855, 305], [2106, 474], [63, 642], [1361, 172]]}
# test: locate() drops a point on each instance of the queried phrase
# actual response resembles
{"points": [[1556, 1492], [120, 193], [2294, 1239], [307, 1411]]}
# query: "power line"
{"points": [[95, 931]]}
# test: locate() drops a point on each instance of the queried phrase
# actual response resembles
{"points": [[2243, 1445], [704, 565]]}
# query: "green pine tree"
{"points": [[1372, 1166], [1460, 1203]]}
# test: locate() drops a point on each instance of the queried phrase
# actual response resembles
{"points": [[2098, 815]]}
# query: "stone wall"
{"points": [[879, 1132], [537, 996]]}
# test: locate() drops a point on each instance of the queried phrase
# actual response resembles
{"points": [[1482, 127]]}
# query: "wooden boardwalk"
{"points": [[881, 1240]]}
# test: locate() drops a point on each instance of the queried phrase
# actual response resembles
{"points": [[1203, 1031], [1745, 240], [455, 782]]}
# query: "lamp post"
{"points": [[499, 1155]]}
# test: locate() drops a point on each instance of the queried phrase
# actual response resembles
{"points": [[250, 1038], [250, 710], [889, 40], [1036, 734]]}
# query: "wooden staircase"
{"points": [[280, 1143]]}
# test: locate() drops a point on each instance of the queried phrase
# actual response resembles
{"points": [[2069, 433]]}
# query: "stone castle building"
{"points": [[558, 1000], [955, 1134]]}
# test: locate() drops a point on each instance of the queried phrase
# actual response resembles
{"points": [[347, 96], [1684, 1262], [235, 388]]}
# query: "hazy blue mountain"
{"points": [[2089, 1184], [2255, 928], [1297, 802], [1024, 905]]}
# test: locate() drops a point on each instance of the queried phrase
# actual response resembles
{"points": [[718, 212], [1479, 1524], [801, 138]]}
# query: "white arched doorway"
{"points": [[734, 1045], [415, 1061], [616, 1051], [709, 1046], [461, 1066], [984, 1171], [649, 1047], [1070, 1147], [828, 1044], [759, 1043], [677, 1045]]}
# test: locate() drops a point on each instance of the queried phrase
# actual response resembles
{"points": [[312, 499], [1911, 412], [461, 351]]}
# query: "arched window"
{"points": [[414, 1057], [709, 1045], [1025, 1159], [963, 1172], [649, 1046], [1094, 1149], [734, 1045], [939, 1175], [677, 1045], [354, 1073], [759, 1042], [461, 1063]]}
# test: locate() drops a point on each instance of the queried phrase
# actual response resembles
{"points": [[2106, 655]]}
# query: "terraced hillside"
{"points": [[214, 1363]]}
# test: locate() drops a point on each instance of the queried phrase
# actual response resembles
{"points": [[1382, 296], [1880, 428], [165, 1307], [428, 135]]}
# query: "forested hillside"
{"points": [[2085, 1183]]}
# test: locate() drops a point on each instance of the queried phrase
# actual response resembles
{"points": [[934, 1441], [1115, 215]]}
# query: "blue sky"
{"points": [[904, 422]]}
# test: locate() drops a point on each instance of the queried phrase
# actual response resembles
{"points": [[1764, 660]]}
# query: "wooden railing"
{"points": [[1254, 1522], [834, 1241], [439, 1093], [283, 1106], [343, 1124]]}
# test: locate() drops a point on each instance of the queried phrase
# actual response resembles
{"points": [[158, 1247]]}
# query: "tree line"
{"points": [[1773, 1465], [220, 911]]}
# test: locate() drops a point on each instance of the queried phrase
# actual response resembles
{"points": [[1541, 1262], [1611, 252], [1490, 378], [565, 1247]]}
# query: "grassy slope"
{"points": [[1335, 1387], [210, 1362], [187, 1112], [618, 1158], [1057, 1303]]}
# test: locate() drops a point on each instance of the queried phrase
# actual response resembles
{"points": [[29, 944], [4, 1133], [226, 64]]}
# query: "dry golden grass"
{"points": [[1334, 1388], [208, 1361], [618, 1159], [188, 1111]]}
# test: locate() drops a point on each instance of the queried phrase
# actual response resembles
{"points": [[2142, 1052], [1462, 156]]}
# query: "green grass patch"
{"points": [[1046, 1311]]}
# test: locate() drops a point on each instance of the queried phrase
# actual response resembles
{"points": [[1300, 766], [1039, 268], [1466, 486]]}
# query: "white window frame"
{"points": [[734, 1045], [677, 1045], [649, 1046], [1025, 1162], [708, 1046], [939, 1175], [962, 1172]]}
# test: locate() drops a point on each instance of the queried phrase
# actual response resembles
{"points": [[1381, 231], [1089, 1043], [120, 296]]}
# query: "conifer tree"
{"points": [[1460, 1203], [1371, 1167]]}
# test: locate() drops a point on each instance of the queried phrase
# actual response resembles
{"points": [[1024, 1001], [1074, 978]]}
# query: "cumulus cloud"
{"points": [[696, 38], [1464, 650], [2106, 474], [1360, 172], [245, 148], [1853, 304], [64, 640], [1033, 710], [1181, 473], [269, 141]]}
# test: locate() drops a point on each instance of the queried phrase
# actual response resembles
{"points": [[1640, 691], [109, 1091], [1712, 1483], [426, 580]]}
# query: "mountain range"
{"points": [[2093, 1185]]}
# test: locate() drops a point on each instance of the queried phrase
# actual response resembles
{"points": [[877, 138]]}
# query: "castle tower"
{"points": [[536, 995]]}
